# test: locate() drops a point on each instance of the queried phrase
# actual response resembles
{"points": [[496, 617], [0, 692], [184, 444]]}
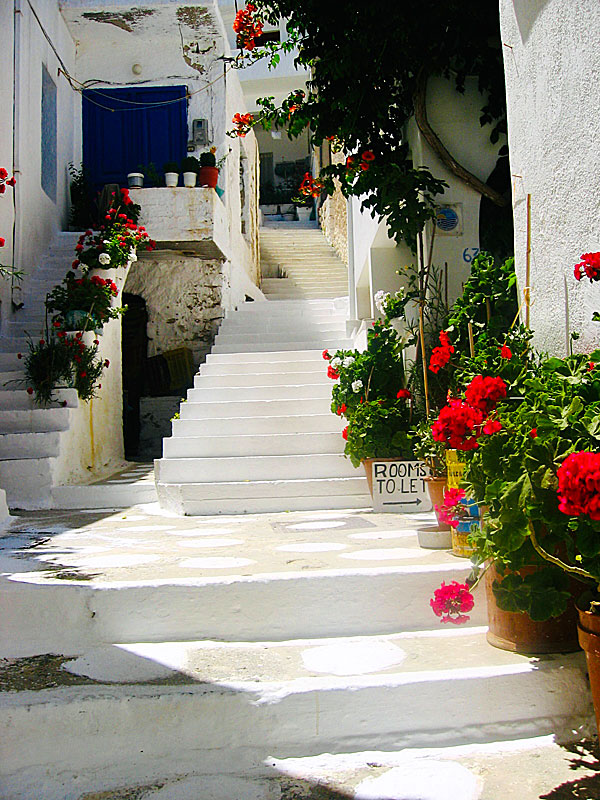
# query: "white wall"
{"points": [[6, 146], [38, 216], [552, 64]]}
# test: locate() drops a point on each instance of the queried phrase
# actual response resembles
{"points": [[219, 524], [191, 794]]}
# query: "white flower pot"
{"points": [[171, 178], [135, 180], [189, 179], [303, 213]]}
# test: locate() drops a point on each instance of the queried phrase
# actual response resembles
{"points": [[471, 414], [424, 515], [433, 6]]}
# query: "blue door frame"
{"points": [[125, 128]]}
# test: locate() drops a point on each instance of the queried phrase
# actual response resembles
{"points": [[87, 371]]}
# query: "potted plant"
{"points": [[392, 308], [171, 170], [83, 303], [116, 243], [208, 173], [433, 454], [370, 394], [135, 180], [190, 168]]}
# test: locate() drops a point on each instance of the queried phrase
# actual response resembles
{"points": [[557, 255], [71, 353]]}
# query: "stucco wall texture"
{"points": [[552, 64]]}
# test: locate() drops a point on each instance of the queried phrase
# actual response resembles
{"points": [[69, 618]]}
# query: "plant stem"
{"points": [[556, 561]]}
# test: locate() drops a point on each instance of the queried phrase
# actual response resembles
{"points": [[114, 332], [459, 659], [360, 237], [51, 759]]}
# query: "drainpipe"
{"points": [[352, 322], [15, 288]]}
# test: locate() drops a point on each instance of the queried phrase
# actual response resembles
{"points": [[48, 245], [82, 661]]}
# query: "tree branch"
{"points": [[433, 140]]}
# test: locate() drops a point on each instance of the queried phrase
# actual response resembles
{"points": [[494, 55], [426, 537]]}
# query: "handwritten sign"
{"points": [[399, 486]]}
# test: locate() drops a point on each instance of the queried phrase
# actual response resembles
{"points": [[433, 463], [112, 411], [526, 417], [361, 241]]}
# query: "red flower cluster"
{"points": [[332, 373], [341, 409], [363, 162], [247, 27], [590, 265], [345, 433], [579, 485], [243, 124], [446, 513], [506, 352], [441, 355], [456, 425], [450, 602], [326, 355], [484, 393], [403, 394], [5, 180], [310, 187]]}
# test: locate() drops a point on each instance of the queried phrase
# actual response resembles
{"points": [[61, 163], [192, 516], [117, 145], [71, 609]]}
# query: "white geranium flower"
{"points": [[357, 386], [349, 360], [132, 256], [336, 362], [380, 300], [104, 259]]}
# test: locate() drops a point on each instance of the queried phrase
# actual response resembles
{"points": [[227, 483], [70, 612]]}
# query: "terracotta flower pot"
{"points": [[208, 176], [436, 488], [589, 639], [518, 633]]}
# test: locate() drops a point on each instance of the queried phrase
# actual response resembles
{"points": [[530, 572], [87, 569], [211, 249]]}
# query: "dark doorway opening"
{"points": [[135, 354]]}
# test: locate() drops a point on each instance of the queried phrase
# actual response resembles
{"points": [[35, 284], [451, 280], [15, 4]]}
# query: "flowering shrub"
{"points": [[247, 27], [92, 295], [450, 602], [371, 395], [309, 188], [117, 241]]}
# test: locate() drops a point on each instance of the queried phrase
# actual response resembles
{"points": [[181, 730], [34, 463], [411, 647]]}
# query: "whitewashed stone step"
{"points": [[237, 445], [270, 379], [18, 399], [252, 408], [316, 308], [10, 362], [27, 482], [116, 733], [269, 369], [300, 293], [270, 356], [290, 424], [12, 379], [253, 468], [267, 347], [200, 503], [36, 420], [281, 326], [311, 339], [265, 392], [29, 445], [103, 496]]}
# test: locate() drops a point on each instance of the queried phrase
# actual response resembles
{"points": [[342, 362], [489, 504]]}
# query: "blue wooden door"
{"points": [[126, 128]]}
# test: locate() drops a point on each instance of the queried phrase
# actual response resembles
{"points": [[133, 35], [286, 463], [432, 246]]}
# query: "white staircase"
{"points": [[30, 435], [256, 433]]}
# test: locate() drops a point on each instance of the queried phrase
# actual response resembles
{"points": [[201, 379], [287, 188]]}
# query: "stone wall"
{"points": [[334, 220], [183, 298]]}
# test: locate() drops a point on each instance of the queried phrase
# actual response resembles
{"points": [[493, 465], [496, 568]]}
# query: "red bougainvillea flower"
{"points": [[588, 266], [579, 485], [332, 373], [247, 27], [243, 123], [403, 394], [484, 393], [457, 424], [451, 601], [345, 433], [440, 356], [492, 426], [506, 352], [341, 409]]}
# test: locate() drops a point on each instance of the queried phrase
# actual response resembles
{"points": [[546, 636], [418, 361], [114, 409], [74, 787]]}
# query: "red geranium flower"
{"points": [[485, 392], [326, 355], [506, 352], [450, 601], [403, 394], [579, 485], [331, 373], [589, 266], [457, 425], [441, 355], [345, 433]]}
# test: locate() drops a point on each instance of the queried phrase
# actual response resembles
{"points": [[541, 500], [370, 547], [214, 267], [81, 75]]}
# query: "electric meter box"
{"points": [[200, 132]]}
